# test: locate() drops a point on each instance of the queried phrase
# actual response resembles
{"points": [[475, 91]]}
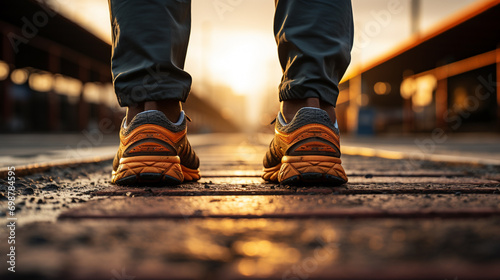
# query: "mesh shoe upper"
{"points": [[311, 132], [152, 142]]}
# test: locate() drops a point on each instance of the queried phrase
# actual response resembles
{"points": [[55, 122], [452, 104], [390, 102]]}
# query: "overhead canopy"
{"points": [[473, 32], [55, 31]]}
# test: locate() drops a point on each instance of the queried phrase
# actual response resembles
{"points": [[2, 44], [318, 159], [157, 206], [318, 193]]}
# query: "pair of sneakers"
{"points": [[155, 150]]}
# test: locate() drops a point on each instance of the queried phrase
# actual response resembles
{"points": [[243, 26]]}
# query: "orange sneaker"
{"points": [[154, 150], [306, 150]]}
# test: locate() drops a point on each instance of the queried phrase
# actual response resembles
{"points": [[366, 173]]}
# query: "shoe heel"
{"points": [[311, 169], [148, 169]]}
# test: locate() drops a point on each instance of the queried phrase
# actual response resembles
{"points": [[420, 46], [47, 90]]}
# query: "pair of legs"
{"points": [[150, 39]]}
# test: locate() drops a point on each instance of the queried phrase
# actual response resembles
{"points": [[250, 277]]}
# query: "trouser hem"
{"points": [[134, 97], [325, 94]]}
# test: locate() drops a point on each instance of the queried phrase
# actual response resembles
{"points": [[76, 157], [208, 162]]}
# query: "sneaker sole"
{"points": [[307, 169], [165, 170], [271, 173], [190, 174]]}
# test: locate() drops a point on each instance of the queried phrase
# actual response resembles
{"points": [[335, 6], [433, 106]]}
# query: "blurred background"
{"points": [[417, 65]]}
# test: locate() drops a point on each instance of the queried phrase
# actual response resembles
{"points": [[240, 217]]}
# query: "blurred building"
{"points": [[55, 75], [446, 78]]}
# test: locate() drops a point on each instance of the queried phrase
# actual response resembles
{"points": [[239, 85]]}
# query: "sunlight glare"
{"points": [[241, 61]]}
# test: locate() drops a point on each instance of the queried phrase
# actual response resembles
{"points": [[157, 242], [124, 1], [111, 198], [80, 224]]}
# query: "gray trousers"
{"points": [[150, 40]]}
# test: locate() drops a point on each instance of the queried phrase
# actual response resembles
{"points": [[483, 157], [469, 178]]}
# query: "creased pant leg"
{"points": [[314, 39], [150, 40]]}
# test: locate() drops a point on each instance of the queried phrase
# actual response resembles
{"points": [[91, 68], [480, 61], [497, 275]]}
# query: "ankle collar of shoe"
{"points": [[179, 121]]}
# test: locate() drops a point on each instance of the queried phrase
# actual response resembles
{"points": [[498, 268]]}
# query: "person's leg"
{"points": [[314, 40], [150, 39]]}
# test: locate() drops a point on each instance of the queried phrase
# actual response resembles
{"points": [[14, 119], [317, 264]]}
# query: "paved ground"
{"points": [[395, 219]]}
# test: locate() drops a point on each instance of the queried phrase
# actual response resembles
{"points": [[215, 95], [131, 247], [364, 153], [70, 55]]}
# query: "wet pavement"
{"points": [[395, 219]]}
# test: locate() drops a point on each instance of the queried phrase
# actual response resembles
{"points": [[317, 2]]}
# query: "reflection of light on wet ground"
{"points": [[251, 267], [247, 267], [206, 250], [267, 249], [253, 248], [231, 226], [256, 205], [263, 256]]}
